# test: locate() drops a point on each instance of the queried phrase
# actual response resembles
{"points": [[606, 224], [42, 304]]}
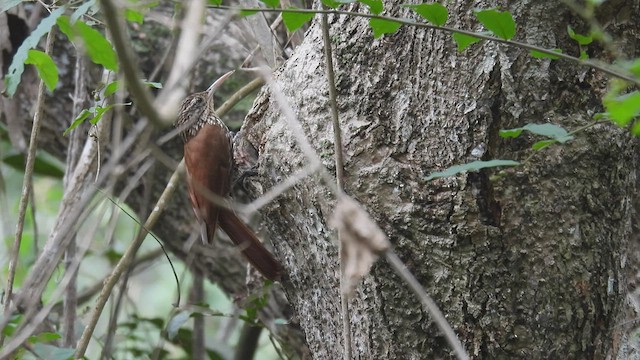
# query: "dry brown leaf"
{"points": [[363, 241]]}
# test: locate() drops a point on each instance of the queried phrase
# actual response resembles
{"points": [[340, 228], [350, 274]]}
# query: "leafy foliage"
{"points": [[271, 3], [555, 133], [464, 41], [12, 79], [500, 23], [43, 165], [580, 39], [623, 108], [434, 13], [94, 114], [293, 20], [381, 27], [176, 323], [97, 46], [46, 68], [472, 166], [375, 6], [50, 352]]}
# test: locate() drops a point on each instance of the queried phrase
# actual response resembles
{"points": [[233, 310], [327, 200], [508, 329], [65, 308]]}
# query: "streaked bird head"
{"points": [[196, 108]]}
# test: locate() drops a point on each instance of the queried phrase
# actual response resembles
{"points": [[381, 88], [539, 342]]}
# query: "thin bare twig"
{"points": [[90, 291], [73, 211], [70, 300], [280, 188], [113, 319], [126, 260], [26, 187], [32, 202], [169, 99], [127, 61], [339, 161], [32, 322]]}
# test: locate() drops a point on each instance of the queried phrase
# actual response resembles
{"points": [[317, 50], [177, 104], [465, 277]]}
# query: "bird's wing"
{"points": [[208, 163]]}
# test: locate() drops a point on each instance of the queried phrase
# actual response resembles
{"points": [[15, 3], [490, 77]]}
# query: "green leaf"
{"points": [[464, 41], [8, 4], [541, 55], [549, 130], [375, 6], [81, 10], [555, 132], [635, 129], [47, 69], [248, 12], [50, 352], [580, 39], [111, 88], [64, 24], [542, 144], [294, 21], [583, 55], [41, 166], [84, 114], [44, 337], [381, 27], [99, 111], [510, 133], [500, 23], [472, 166], [152, 84], [176, 323], [624, 108], [215, 2], [97, 46], [12, 79], [271, 3], [634, 67], [281, 321], [134, 16], [434, 13], [331, 3], [12, 325]]}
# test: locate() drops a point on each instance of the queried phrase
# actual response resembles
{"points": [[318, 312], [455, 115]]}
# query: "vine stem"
{"points": [[598, 65], [339, 160]]}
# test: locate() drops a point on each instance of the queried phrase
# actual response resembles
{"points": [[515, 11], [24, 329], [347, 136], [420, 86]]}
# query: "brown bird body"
{"points": [[208, 157]]}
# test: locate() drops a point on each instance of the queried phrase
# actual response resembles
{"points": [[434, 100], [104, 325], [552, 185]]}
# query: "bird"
{"points": [[208, 158]]}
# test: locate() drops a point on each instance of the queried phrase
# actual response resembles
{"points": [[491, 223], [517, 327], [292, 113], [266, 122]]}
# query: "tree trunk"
{"points": [[526, 265]]}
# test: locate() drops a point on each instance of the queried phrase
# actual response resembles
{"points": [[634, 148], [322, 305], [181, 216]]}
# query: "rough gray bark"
{"points": [[528, 265]]}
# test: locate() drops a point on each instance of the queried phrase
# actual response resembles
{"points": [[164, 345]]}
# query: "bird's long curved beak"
{"points": [[216, 84]]}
